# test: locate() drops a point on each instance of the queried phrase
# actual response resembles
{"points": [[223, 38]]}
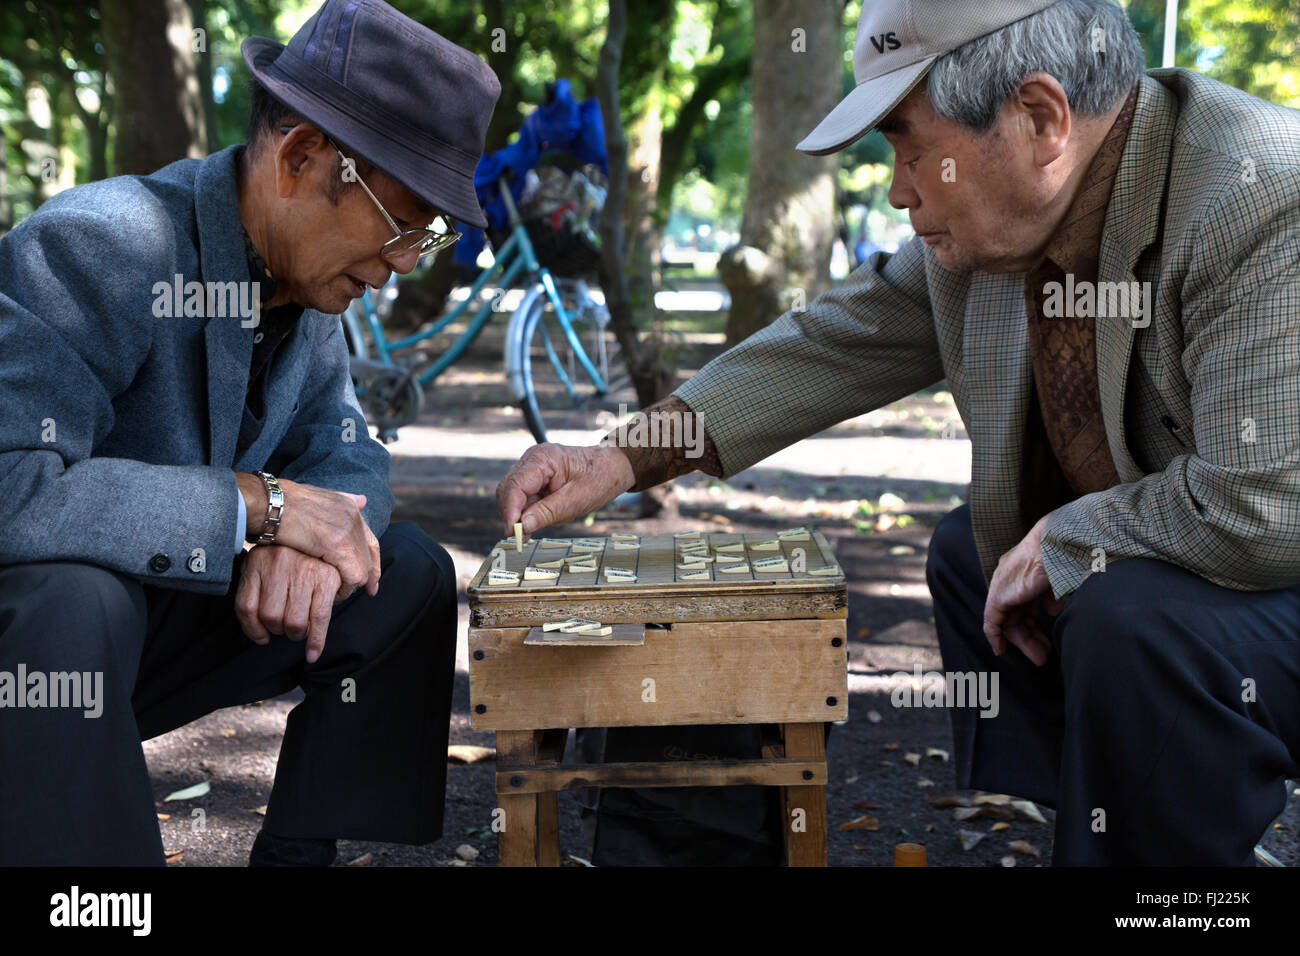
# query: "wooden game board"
{"points": [[659, 593]]}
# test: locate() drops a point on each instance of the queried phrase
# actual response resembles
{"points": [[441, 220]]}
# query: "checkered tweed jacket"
{"points": [[1201, 406]]}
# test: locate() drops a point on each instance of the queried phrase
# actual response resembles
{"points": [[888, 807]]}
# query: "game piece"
{"points": [[519, 537], [540, 574], [777, 563], [551, 565], [729, 559], [702, 575], [620, 575], [623, 536], [589, 544], [825, 572], [552, 543], [693, 566], [502, 577], [737, 547], [793, 534], [685, 534], [734, 568], [769, 545]]}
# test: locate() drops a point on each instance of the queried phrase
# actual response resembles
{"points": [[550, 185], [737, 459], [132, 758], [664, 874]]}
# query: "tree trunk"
{"points": [[157, 106], [626, 274], [783, 258]]}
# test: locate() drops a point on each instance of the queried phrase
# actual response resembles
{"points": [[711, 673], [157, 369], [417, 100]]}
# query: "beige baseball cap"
{"points": [[897, 43]]}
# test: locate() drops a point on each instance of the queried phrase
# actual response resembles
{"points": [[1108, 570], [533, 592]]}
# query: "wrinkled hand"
{"points": [[283, 591], [328, 525], [1018, 592], [552, 484]]}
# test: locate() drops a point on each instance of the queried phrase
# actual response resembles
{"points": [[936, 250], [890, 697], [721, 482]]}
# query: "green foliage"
{"points": [[688, 59]]}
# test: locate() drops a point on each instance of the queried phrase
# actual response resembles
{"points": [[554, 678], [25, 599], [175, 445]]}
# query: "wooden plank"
{"points": [[685, 773], [517, 841], [806, 846], [720, 673], [747, 601]]}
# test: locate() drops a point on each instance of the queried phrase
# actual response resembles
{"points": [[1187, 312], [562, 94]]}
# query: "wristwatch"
{"points": [[274, 508]]}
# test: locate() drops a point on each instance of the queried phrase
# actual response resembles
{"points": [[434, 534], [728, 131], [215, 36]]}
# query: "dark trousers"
{"points": [[361, 759], [1162, 727]]}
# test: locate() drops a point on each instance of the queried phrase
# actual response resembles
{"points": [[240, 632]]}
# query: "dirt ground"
{"points": [[876, 486]]}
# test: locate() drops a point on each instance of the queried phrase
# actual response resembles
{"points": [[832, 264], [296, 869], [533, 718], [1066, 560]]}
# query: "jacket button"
{"points": [[159, 563]]}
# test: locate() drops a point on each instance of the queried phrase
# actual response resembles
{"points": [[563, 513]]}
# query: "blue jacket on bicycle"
{"points": [[562, 124]]}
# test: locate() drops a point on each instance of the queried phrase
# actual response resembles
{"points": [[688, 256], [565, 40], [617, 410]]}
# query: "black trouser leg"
{"points": [[1177, 702], [73, 788], [365, 754], [360, 760]]}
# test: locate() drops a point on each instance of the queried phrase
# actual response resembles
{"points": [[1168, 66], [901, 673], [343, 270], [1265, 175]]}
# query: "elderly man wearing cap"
{"points": [[151, 428], [1105, 272]]}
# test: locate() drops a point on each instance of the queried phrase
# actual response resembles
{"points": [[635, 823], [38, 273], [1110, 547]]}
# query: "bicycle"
{"points": [[548, 371]]}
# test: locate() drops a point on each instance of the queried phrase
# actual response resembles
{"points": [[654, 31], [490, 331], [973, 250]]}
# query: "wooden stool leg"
{"points": [[517, 842], [805, 833], [550, 750]]}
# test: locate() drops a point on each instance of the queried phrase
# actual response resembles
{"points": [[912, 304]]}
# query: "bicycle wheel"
{"points": [[559, 392]]}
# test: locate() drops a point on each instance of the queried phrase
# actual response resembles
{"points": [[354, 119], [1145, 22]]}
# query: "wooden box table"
{"points": [[756, 647]]}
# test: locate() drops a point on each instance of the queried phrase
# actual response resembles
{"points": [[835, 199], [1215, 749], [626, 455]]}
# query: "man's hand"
{"points": [[552, 484], [283, 591], [321, 524], [1018, 592]]}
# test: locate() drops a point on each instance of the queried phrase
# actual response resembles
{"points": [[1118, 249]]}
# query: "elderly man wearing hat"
{"points": [[1105, 272], [175, 384]]}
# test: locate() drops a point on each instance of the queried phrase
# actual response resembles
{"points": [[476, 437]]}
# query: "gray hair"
{"points": [[969, 85]]}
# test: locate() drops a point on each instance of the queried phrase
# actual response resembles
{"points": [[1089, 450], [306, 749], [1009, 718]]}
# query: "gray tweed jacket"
{"points": [[119, 427]]}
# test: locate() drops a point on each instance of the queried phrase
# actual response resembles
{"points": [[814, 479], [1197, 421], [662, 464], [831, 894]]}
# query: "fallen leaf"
{"points": [[862, 633], [972, 813], [174, 856], [1027, 809], [853, 779], [1025, 847], [1009, 860], [937, 753], [892, 745], [363, 860], [457, 863], [468, 753], [929, 828], [466, 852], [947, 800], [258, 810], [902, 549], [859, 846], [189, 793], [861, 823], [913, 758], [571, 860], [998, 827], [873, 716], [164, 816], [228, 732], [925, 782], [969, 838], [996, 799], [867, 805]]}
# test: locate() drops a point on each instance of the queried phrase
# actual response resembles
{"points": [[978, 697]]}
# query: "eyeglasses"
{"points": [[424, 241]]}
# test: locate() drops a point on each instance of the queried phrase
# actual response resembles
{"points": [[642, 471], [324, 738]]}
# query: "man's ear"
{"points": [[301, 146], [1045, 117]]}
